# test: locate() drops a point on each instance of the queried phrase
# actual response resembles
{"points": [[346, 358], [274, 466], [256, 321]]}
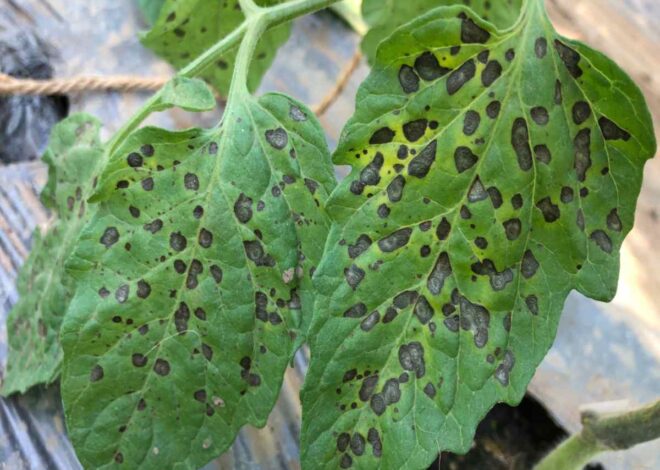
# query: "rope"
{"points": [[61, 86], [340, 84]]}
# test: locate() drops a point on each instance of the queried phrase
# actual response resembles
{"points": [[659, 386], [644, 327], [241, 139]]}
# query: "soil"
{"points": [[510, 438]]}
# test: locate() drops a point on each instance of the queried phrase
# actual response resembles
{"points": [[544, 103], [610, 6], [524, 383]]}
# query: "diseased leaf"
{"points": [[45, 290], [191, 94], [187, 28], [493, 173], [187, 307], [384, 16]]}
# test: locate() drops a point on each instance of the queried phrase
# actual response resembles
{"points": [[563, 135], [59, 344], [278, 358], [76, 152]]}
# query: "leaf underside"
{"points": [[493, 173], [44, 288], [191, 279], [384, 16], [187, 28]]}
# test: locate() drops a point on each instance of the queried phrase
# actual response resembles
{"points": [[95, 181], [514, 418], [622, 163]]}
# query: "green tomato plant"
{"points": [[495, 168]]}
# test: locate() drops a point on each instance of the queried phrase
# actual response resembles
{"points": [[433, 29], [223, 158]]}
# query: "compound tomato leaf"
{"points": [[383, 17], [187, 307], [187, 28], [74, 156], [190, 94], [493, 173]]}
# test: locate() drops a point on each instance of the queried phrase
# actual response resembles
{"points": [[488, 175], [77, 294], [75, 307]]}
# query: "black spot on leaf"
{"points": [[540, 115], [371, 321], [177, 241], [611, 131], [143, 289], [243, 208], [361, 245], [414, 130], [493, 109], [382, 136], [147, 184], [354, 276], [570, 58], [461, 76], [395, 240], [162, 367], [582, 146], [603, 241], [368, 387], [529, 265], [205, 238], [423, 310], [520, 143], [541, 47], [542, 153], [444, 227], [356, 311], [408, 79], [110, 237], [550, 211], [139, 360], [428, 67], [472, 33], [491, 73], [475, 318], [134, 160], [471, 122], [613, 221], [411, 358], [464, 159], [477, 191], [395, 189], [512, 229], [277, 138], [581, 112], [504, 369], [420, 166], [96, 374], [532, 303], [255, 253]]}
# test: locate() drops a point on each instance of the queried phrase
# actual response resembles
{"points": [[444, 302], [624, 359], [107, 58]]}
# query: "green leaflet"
{"points": [[191, 94], [73, 156], [187, 28], [493, 173], [384, 16], [187, 309]]}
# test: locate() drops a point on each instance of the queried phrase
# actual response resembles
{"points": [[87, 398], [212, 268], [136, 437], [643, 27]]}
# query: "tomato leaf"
{"points": [[493, 173], [383, 17], [45, 290], [188, 301], [191, 94], [187, 28]]}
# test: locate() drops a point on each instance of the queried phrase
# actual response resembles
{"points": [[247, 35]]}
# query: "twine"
{"points": [[63, 86]]}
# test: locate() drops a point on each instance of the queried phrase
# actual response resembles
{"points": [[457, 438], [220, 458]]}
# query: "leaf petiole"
{"points": [[259, 19]]}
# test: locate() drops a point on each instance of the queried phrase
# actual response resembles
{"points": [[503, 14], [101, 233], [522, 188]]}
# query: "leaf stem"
{"points": [[604, 431], [258, 20]]}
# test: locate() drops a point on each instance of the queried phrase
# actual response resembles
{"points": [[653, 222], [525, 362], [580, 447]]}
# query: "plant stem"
{"points": [[260, 18], [603, 431]]}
